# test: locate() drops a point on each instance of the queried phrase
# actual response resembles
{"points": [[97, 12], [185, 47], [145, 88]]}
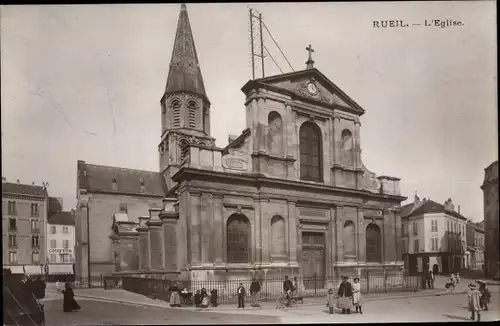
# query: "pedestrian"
{"points": [[58, 286], [204, 298], [429, 279], [474, 306], [452, 283], [254, 292], [433, 280], [330, 301], [288, 289], [213, 298], [457, 278], [175, 298], [69, 302], [356, 295], [345, 296], [241, 296], [197, 299], [485, 296]]}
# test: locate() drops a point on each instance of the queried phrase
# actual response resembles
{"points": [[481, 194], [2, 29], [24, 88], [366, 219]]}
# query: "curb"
{"points": [[234, 309]]}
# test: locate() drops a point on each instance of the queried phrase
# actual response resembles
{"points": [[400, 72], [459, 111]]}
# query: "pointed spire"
{"points": [[185, 73]]}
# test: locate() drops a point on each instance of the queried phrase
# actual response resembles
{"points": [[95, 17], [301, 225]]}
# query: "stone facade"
{"points": [[265, 205], [490, 194]]}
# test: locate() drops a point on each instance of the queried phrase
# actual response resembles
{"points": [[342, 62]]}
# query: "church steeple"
{"points": [[185, 73]]}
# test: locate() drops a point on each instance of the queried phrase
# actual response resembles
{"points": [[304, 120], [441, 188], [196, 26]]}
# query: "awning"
{"points": [[15, 269], [33, 269], [60, 269]]}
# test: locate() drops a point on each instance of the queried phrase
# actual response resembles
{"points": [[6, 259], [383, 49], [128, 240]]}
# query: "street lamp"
{"points": [[86, 205]]}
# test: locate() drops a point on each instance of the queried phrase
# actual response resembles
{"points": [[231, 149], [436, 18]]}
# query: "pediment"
{"points": [[296, 84]]}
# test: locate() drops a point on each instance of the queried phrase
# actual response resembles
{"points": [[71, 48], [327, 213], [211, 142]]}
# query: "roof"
{"points": [[185, 74], [340, 99], [110, 179], [22, 189], [54, 205], [406, 209], [61, 218], [430, 206]]}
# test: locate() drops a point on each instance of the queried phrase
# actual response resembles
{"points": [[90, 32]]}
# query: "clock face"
{"points": [[312, 89]]}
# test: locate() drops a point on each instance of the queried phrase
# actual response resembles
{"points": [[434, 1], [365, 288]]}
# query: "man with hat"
{"points": [[345, 295]]}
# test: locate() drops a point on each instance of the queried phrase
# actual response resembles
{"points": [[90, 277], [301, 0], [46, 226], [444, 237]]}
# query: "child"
{"points": [[58, 286], [241, 296], [197, 299], [330, 301], [204, 298], [485, 296], [474, 297], [356, 295]]}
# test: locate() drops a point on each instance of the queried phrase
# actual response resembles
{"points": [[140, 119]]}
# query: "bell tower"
{"points": [[185, 108]]}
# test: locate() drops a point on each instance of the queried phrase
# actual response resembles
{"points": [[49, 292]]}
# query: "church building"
{"points": [[289, 196]]}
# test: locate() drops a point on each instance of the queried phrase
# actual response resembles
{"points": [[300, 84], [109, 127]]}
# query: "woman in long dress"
{"points": [[345, 296], [69, 302], [175, 299], [474, 297], [356, 295]]}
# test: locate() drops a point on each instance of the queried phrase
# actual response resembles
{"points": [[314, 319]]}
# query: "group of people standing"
{"points": [[478, 298], [348, 297], [201, 299]]}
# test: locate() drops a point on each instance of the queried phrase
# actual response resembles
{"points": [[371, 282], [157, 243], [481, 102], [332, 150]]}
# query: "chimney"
{"points": [[17, 181], [458, 209], [416, 200]]}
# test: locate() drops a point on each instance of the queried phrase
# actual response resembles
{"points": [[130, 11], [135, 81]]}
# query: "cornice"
{"points": [[23, 196]]}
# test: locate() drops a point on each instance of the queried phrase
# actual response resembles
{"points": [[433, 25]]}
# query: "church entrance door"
{"points": [[313, 260]]}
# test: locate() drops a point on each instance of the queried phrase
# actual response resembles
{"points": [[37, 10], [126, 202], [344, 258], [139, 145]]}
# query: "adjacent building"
{"points": [[492, 244], [24, 217], [434, 237], [475, 245], [60, 233]]}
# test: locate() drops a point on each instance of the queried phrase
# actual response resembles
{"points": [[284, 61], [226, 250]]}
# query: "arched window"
{"points": [[184, 149], [373, 243], [176, 110], [310, 152], [278, 236], [346, 148], [275, 140], [192, 114], [349, 239], [238, 239]]}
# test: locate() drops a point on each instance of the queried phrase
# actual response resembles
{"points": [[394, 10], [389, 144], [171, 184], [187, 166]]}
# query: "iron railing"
{"points": [[271, 289]]}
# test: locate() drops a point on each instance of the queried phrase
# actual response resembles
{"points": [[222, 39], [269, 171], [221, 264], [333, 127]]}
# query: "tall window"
{"points": [[184, 149], [275, 140], [176, 110], [53, 243], [416, 246], [192, 114], [12, 208], [278, 234], [34, 209], [35, 225], [310, 152], [373, 243], [415, 228], [65, 258], [238, 239], [12, 224], [12, 257], [434, 225], [12, 240], [52, 258], [66, 244], [53, 229], [435, 244], [34, 241], [35, 258], [346, 149], [65, 229]]}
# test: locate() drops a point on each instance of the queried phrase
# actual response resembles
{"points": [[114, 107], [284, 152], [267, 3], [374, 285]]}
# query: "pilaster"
{"points": [[361, 234], [265, 227], [389, 236], [218, 228], [169, 218], [339, 227], [337, 136], [292, 231], [155, 242], [194, 210], [206, 212], [333, 232], [144, 252]]}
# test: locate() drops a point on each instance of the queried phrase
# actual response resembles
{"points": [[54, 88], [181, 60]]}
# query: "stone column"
{"points": [[357, 146], [339, 227], [361, 233], [389, 236], [289, 130], [266, 228], [115, 242], [155, 239], [337, 137], [195, 228], [258, 231], [218, 228], [398, 235], [292, 232], [207, 234], [333, 231], [144, 251]]}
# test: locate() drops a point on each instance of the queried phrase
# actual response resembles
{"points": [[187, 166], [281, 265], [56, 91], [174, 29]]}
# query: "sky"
{"points": [[83, 82]]}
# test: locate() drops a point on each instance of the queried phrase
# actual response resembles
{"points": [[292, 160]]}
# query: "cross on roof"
{"points": [[310, 49], [310, 61]]}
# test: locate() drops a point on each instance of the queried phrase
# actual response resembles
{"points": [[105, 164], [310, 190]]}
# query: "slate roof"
{"points": [[430, 206], [184, 74], [61, 218], [406, 209], [22, 189], [100, 178], [54, 205]]}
